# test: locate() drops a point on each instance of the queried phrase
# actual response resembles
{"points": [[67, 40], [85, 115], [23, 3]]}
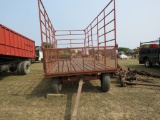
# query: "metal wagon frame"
{"points": [[69, 55]]}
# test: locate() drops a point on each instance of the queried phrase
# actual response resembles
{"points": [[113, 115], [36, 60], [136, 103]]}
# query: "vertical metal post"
{"points": [[50, 44], [85, 39], [105, 40], [92, 43], [88, 36], [74, 116], [70, 40], [83, 57], [40, 19], [91, 36], [116, 62], [49, 31], [70, 50], [40, 22], [46, 28], [55, 41], [94, 58], [98, 38], [84, 47]]}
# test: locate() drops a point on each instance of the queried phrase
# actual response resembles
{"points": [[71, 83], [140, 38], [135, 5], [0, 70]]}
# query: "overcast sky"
{"points": [[137, 20]]}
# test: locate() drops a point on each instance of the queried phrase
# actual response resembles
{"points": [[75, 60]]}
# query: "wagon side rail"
{"points": [[102, 31], [72, 52], [47, 32]]}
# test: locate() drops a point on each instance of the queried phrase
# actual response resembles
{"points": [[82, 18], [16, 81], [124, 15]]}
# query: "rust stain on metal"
{"points": [[129, 77]]}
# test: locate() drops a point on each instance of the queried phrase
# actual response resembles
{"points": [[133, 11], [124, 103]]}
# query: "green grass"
{"points": [[24, 98]]}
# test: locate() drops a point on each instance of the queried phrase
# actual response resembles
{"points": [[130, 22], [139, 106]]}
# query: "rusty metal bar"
{"points": [[70, 39], [109, 31], [105, 41], [106, 24], [103, 18], [85, 39], [69, 43], [92, 35], [88, 36], [75, 111], [83, 60], [68, 34], [135, 83], [101, 12], [115, 34], [69, 30]]}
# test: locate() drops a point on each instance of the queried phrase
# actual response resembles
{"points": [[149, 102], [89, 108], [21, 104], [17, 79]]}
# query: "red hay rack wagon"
{"points": [[73, 54]]}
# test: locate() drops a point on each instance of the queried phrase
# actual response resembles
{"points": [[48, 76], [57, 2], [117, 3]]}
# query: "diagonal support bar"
{"points": [[74, 116]]}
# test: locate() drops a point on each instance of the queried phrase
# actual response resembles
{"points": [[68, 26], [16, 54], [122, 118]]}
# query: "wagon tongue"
{"points": [[74, 116]]}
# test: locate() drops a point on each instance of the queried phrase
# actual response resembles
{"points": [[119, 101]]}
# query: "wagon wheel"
{"points": [[105, 82], [56, 85], [25, 67], [19, 68]]}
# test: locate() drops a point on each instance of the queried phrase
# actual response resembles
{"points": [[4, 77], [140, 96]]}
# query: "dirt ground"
{"points": [[24, 98]]}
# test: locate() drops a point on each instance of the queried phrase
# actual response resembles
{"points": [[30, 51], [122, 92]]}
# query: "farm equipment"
{"points": [[131, 77], [80, 55], [69, 55], [16, 51]]}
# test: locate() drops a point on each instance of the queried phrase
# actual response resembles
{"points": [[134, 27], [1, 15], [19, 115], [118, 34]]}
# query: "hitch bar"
{"points": [[75, 111]]}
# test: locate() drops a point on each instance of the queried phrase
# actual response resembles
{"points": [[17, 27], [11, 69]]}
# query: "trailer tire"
{"points": [[56, 85], [25, 67], [19, 68], [148, 63], [12, 69], [105, 82]]}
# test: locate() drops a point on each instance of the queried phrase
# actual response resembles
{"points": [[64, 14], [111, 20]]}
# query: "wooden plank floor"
{"points": [[79, 65]]}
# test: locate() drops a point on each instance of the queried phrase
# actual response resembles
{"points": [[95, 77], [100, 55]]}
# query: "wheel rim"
{"points": [[147, 63], [60, 86], [27, 66]]}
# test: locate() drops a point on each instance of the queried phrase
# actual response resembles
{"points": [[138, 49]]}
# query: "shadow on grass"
{"points": [[116, 82], [44, 87], [6, 74], [68, 89]]}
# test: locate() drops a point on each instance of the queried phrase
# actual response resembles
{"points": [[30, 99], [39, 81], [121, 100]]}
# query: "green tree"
{"points": [[123, 49]]}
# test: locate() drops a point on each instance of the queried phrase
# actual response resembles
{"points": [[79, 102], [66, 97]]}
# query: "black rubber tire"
{"points": [[12, 69], [25, 67], [19, 68], [56, 85], [105, 82], [147, 63]]}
